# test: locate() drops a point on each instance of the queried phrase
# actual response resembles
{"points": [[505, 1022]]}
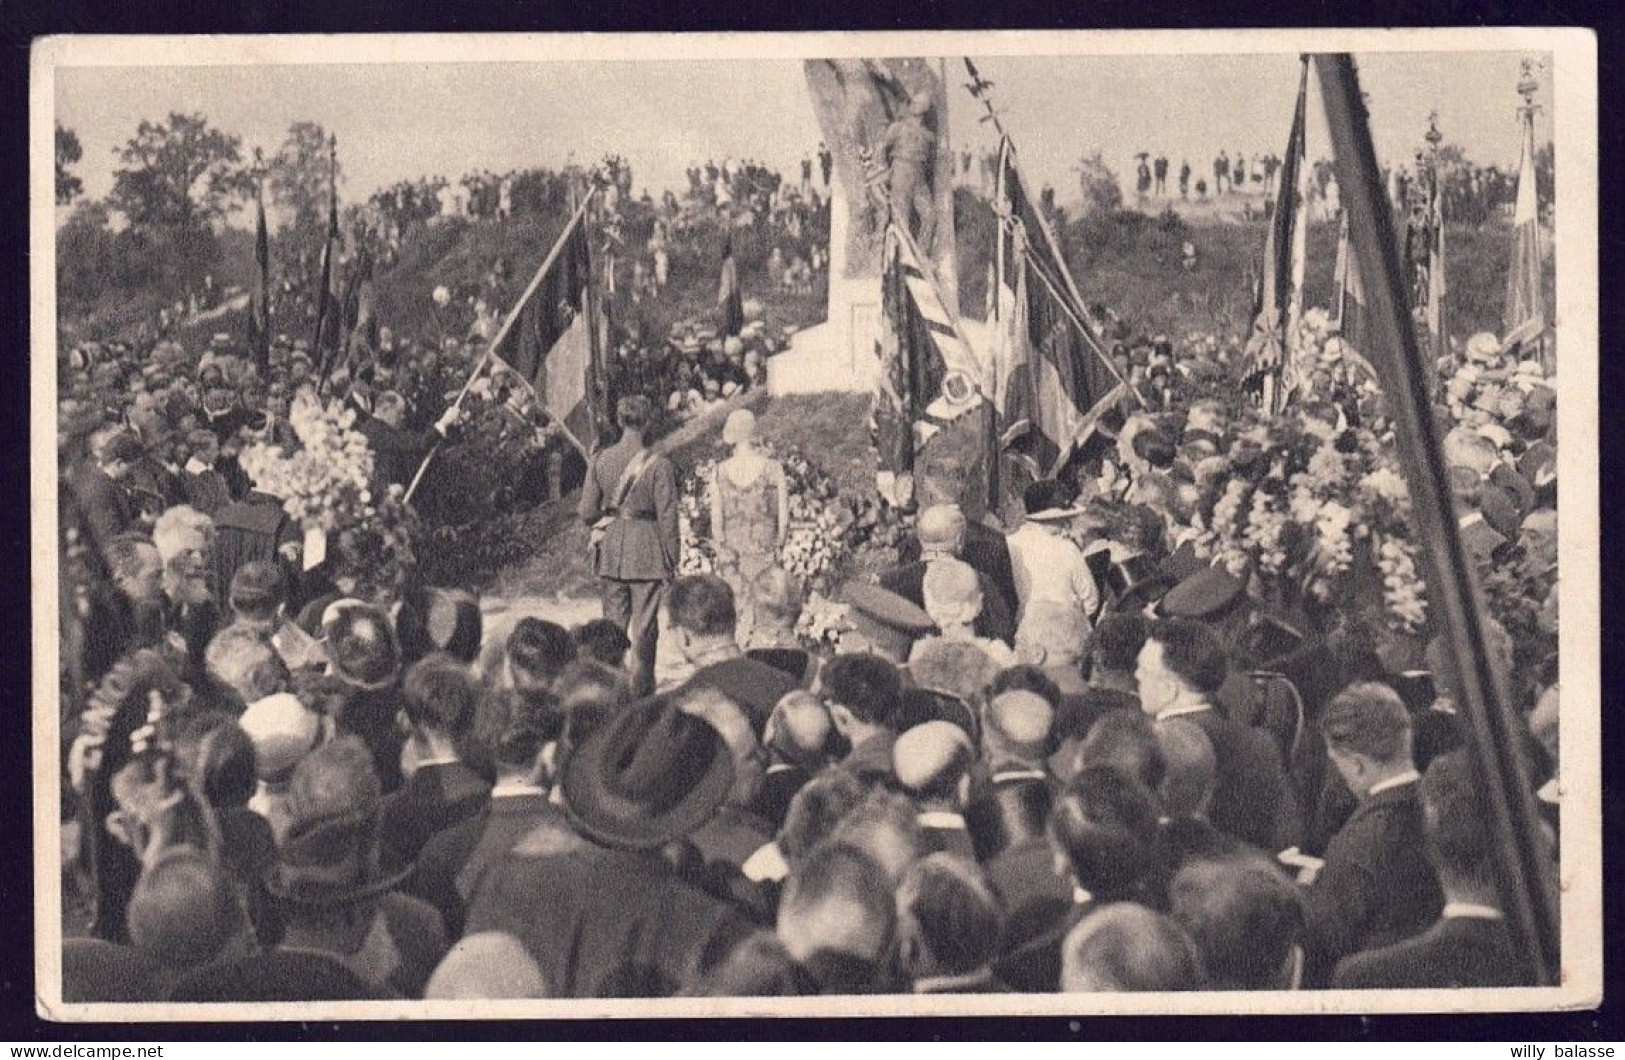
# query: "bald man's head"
{"points": [[941, 529], [798, 730]]}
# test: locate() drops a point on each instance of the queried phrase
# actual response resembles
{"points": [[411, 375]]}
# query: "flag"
{"points": [[1043, 375], [552, 342], [259, 314], [929, 377], [324, 293], [1349, 302], [1525, 313], [1282, 270], [1438, 320]]}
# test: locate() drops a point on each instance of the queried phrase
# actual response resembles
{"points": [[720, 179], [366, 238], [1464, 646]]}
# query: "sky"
{"points": [[399, 121]]}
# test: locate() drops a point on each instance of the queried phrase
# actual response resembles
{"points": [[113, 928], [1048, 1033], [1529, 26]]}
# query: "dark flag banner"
{"points": [[324, 293], [1044, 378], [553, 344], [1279, 290], [259, 314], [929, 376]]}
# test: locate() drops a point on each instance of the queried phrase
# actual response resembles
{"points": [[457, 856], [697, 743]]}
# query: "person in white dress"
{"points": [[1046, 565]]}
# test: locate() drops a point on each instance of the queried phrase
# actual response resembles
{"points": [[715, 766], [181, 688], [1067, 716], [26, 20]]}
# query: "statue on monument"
{"points": [[909, 148]]}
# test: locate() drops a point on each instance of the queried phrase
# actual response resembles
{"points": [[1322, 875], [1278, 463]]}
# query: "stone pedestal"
{"points": [[839, 354]]}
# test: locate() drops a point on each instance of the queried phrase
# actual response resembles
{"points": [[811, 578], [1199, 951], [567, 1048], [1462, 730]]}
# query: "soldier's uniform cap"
{"points": [[885, 618], [1205, 593]]}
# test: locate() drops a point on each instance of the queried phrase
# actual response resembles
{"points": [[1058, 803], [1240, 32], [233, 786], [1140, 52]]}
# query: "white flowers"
{"points": [[1402, 588], [324, 484], [1386, 484], [822, 621]]}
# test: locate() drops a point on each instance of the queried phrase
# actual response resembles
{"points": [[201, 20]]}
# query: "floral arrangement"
{"points": [[1311, 511], [822, 622], [827, 529], [325, 484]]}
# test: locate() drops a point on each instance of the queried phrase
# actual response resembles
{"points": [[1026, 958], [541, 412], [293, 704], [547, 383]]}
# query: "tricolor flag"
{"points": [[1525, 314], [259, 314], [929, 376], [1043, 378], [1349, 300], [552, 342], [1278, 292], [1438, 320]]}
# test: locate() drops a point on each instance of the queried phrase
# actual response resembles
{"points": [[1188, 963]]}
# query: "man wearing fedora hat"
{"points": [[338, 898], [601, 911], [629, 499]]}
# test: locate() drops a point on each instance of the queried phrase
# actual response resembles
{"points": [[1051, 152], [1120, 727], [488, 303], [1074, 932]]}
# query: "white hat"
{"points": [[283, 730]]}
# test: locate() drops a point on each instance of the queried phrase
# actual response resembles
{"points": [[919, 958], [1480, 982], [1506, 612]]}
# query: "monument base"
{"points": [[820, 360]]}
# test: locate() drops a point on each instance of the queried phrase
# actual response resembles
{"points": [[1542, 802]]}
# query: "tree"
{"points": [[1102, 195], [68, 152], [299, 177], [181, 173]]}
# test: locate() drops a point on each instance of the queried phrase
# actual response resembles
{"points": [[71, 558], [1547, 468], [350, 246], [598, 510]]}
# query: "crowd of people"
{"points": [[1067, 758], [1070, 754]]}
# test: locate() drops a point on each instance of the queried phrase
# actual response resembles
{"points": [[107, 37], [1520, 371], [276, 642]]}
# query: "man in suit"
{"points": [[630, 500], [948, 927], [1186, 791], [600, 910], [941, 533], [1010, 801], [204, 487], [1376, 886], [1179, 671], [96, 486], [836, 920], [397, 451], [454, 860], [440, 700], [864, 694], [1468, 945], [797, 739], [1102, 834], [945, 481], [704, 622]]}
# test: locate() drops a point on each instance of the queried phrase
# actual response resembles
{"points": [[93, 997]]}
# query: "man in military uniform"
{"points": [[910, 149], [630, 501]]}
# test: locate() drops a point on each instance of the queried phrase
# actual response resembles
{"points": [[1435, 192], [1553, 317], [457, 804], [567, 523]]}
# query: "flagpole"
{"points": [[502, 333], [978, 88], [1525, 873]]}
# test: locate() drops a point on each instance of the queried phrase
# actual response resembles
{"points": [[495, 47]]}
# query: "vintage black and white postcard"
{"points": [[852, 523]]}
